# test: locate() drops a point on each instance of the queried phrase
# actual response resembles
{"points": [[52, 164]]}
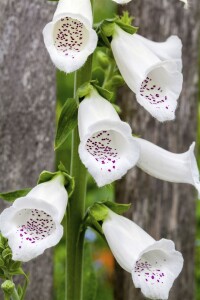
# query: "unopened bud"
{"points": [[8, 287]]}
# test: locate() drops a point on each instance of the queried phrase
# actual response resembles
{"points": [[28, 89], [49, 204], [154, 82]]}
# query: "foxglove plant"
{"points": [[69, 38], [33, 223], [154, 265], [107, 148], [168, 166], [104, 144], [154, 76]]}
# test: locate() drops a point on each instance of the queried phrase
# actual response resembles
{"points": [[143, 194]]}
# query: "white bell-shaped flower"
{"points": [[168, 166], [33, 223], [107, 148], [154, 265], [69, 38], [153, 75]]}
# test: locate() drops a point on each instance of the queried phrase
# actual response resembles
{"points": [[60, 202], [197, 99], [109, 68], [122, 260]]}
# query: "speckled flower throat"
{"points": [[151, 272], [154, 93], [33, 226], [104, 146], [70, 36]]}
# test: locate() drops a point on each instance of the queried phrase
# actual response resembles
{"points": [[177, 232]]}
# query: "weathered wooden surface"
{"points": [[27, 102], [164, 209]]}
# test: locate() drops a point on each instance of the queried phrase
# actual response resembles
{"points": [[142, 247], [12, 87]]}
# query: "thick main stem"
{"points": [[76, 207]]}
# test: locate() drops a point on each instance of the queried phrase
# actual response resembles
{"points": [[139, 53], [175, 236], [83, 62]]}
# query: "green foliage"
{"points": [[11, 196], [67, 122], [106, 28], [69, 181], [10, 268], [98, 212]]}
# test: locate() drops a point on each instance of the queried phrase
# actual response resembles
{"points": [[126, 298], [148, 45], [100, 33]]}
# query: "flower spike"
{"points": [[69, 38], [152, 75], [154, 265], [168, 166], [32, 223], [107, 148]]}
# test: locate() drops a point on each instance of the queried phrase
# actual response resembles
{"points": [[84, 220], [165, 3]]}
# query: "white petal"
{"points": [[31, 226], [132, 57], [69, 38], [93, 109], [126, 239], [170, 49], [156, 269], [160, 90], [186, 3], [168, 166], [122, 1], [107, 148], [54, 193], [156, 82]]}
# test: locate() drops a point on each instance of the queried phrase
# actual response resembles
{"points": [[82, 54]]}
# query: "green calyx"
{"points": [[106, 28], [99, 211], [87, 88], [68, 181]]}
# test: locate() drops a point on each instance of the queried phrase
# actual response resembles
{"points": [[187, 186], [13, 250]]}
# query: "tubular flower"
{"points": [[32, 223], [154, 265], [69, 38], [151, 70], [107, 148], [168, 166]]}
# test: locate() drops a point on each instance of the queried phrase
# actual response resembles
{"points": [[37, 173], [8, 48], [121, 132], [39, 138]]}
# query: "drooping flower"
{"points": [[151, 73], [168, 166], [106, 148], [33, 223], [154, 265], [69, 38]]}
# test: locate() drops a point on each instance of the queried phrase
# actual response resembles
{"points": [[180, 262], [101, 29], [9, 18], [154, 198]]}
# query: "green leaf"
{"points": [[67, 122], [98, 74], [1, 262], [89, 275], [11, 196], [7, 254]]}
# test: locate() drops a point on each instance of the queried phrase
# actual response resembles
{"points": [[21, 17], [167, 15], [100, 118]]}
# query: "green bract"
{"points": [[98, 212], [67, 122]]}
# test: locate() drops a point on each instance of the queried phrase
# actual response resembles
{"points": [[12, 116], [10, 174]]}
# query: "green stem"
{"points": [[76, 207], [109, 74], [15, 295], [6, 296]]}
